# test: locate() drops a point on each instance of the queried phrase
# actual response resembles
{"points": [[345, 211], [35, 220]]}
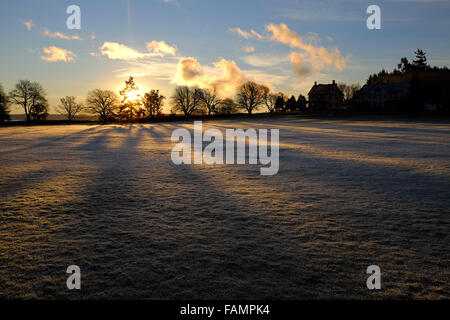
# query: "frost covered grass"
{"points": [[348, 194]]}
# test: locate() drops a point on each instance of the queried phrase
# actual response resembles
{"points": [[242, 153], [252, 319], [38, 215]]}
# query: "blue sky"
{"points": [[197, 42]]}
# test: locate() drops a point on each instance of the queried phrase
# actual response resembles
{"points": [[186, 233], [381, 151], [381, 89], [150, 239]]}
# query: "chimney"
{"points": [[315, 83], [334, 82]]}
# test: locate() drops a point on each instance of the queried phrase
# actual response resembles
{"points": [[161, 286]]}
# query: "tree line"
{"points": [[427, 84], [128, 107]]}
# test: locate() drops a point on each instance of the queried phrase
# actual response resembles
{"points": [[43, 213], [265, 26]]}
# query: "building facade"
{"points": [[384, 96], [324, 97]]}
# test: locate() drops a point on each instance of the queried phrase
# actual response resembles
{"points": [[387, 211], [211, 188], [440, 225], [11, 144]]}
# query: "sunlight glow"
{"points": [[134, 95]]}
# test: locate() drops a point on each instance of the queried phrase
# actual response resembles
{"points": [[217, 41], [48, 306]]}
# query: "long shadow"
{"points": [[143, 227], [234, 240], [46, 243], [52, 141], [382, 190], [103, 217]]}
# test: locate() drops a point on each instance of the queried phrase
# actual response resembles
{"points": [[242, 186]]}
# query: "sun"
{"points": [[134, 95]]}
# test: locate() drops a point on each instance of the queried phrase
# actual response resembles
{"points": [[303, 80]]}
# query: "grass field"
{"points": [[348, 194]]}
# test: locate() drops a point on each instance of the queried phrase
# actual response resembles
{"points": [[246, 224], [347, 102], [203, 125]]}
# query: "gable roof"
{"points": [[324, 89]]}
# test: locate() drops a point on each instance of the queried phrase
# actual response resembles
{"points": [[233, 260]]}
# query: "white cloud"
{"points": [[157, 69], [59, 35], [117, 51], [54, 54], [224, 75], [252, 34], [161, 48]]}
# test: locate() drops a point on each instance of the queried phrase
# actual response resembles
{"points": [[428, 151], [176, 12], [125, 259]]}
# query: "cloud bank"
{"points": [[308, 58], [225, 75], [312, 59]]}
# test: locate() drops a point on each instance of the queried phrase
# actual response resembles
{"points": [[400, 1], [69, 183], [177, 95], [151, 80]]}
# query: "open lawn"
{"points": [[348, 194]]}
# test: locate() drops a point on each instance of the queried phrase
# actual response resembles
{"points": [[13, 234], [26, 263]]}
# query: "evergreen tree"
{"points": [[420, 63], [301, 103], [291, 104], [130, 101], [279, 104]]}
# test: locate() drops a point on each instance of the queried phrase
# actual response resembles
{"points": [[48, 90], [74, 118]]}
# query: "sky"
{"points": [[285, 44]]}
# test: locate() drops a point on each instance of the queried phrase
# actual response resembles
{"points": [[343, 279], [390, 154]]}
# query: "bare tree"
{"points": [[4, 106], [270, 100], [349, 91], [103, 103], [228, 106], [27, 94], [186, 100], [251, 95], [153, 103], [210, 99], [69, 107]]}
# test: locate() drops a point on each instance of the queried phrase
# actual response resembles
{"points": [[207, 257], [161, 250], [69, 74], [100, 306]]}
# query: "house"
{"points": [[384, 96], [324, 97]]}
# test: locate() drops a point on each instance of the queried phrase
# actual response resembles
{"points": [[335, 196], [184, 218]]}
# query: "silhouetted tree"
{"points": [[153, 103], [39, 111], [291, 104], [27, 94], [280, 103], [270, 100], [4, 106], [69, 107], [103, 103], [301, 103], [404, 66], [420, 63], [130, 101], [405, 70], [251, 95], [210, 100], [228, 106], [186, 100], [349, 91]]}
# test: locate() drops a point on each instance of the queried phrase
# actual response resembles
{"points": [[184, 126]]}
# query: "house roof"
{"points": [[324, 89], [389, 87]]}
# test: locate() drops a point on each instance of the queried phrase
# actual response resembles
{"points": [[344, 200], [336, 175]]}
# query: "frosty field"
{"points": [[349, 194]]}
